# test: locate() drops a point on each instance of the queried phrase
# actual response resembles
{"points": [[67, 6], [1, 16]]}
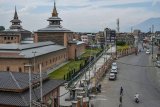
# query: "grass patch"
{"points": [[59, 73], [92, 52], [121, 48]]}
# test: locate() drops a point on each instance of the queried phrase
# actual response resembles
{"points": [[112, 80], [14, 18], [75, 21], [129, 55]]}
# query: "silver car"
{"points": [[158, 63]]}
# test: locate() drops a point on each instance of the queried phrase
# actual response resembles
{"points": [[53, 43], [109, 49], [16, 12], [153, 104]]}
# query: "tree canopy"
{"points": [[2, 28]]}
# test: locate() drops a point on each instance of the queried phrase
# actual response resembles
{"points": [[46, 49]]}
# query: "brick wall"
{"points": [[48, 61]]}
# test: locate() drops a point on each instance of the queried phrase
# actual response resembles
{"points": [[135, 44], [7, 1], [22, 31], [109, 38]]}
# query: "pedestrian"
{"points": [[120, 99], [121, 91]]}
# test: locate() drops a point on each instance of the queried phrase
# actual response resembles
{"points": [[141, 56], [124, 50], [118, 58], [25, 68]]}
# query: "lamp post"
{"points": [[34, 52], [30, 85]]}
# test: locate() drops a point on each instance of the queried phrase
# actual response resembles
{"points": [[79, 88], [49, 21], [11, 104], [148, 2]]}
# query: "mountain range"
{"points": [[146, 25]]}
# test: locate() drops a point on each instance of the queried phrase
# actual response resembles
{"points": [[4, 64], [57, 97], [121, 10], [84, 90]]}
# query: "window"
{"points": [[50, 61], [5, 38], [7, 68], [11, 38], [8, 38], [20, 69]]}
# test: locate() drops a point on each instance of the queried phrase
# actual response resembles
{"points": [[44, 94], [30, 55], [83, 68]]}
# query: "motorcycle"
{"points": [[136, 98]]}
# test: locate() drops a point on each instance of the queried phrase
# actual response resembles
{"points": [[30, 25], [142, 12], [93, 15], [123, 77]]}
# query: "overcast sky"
{"points": [[80, 15]]}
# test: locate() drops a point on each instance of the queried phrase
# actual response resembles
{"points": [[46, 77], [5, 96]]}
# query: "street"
{"points": [[136, 75]]}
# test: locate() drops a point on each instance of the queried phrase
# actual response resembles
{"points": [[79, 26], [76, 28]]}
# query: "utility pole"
{"points": [[118, 28], [152, 39], [131, 29], [34, 52], [30, 85], [40, 67], [105, 51]]}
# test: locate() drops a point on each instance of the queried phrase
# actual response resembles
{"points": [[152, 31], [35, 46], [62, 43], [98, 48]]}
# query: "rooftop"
{"points": [[19, 80], [54, 28], [26, 50]]}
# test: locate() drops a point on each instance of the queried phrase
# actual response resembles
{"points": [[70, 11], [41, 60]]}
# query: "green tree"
{"points": [[2, 28]]}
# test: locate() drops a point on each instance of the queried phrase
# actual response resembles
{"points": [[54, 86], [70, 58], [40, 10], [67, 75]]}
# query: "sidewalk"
{"points": [[88, 75]]}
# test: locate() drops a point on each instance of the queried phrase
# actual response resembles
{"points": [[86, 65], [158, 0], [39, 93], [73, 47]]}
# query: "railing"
{"points": [[84, 70]]}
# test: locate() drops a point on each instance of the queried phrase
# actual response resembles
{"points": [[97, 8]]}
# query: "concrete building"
{"points": [[15, 34], [88, 38], [13, 57], [157, 38], [125, 37], [100, 38], [110, 36], [14, 90]]}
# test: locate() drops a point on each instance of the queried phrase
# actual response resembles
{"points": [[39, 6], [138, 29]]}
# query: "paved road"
{"points": [[133, 79]]}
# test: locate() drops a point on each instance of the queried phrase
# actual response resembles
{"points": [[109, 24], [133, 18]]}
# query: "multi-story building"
{"points": [[88, 38], [110, 36], [100, 38], [15, 34], [14, 90], [157, 38]]}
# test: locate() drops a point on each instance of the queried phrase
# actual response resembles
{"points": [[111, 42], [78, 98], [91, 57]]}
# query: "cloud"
{"points": [[155, 2], [78, 15]]}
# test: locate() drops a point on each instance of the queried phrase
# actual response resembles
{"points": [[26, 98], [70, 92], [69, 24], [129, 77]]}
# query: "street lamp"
{"points": [[34, 52], [30, 85]]}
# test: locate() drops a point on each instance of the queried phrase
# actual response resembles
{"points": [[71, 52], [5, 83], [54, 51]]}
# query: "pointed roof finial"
{"points": [[54, 13], [15, 14]]}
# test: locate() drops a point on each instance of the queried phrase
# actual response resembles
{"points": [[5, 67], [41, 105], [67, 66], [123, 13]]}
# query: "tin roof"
{"points": [[22, 98], [26, 50]]}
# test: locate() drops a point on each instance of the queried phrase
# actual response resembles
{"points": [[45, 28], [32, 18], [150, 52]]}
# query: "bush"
{"points": [[121, 43]]}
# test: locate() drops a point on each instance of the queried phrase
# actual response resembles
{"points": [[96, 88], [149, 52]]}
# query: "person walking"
{"points": [[121, 91]]}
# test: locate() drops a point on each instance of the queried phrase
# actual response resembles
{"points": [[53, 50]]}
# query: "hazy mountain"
{"points": [[147, 24]]}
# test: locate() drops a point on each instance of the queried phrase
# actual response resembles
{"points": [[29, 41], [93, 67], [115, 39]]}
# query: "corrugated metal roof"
{"points": [[15, 80], [26, 50], [22, 98]]}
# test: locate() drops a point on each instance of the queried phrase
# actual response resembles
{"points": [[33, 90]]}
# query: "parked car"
{"points": [[114, 71], [112, 76], [114, 65], [158, 63], [148, 51]]}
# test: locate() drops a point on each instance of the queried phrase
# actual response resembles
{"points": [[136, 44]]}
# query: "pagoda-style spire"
{"points": [[15, 22], [15, 14], [54, 13]]}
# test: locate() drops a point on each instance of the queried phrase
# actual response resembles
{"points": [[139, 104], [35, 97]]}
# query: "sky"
{"points": [[80, 15]]}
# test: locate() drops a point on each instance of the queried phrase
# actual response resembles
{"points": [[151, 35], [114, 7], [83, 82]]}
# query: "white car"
{"points": [[114, 65], [112, 76], [148, 52], [114, 71]]}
